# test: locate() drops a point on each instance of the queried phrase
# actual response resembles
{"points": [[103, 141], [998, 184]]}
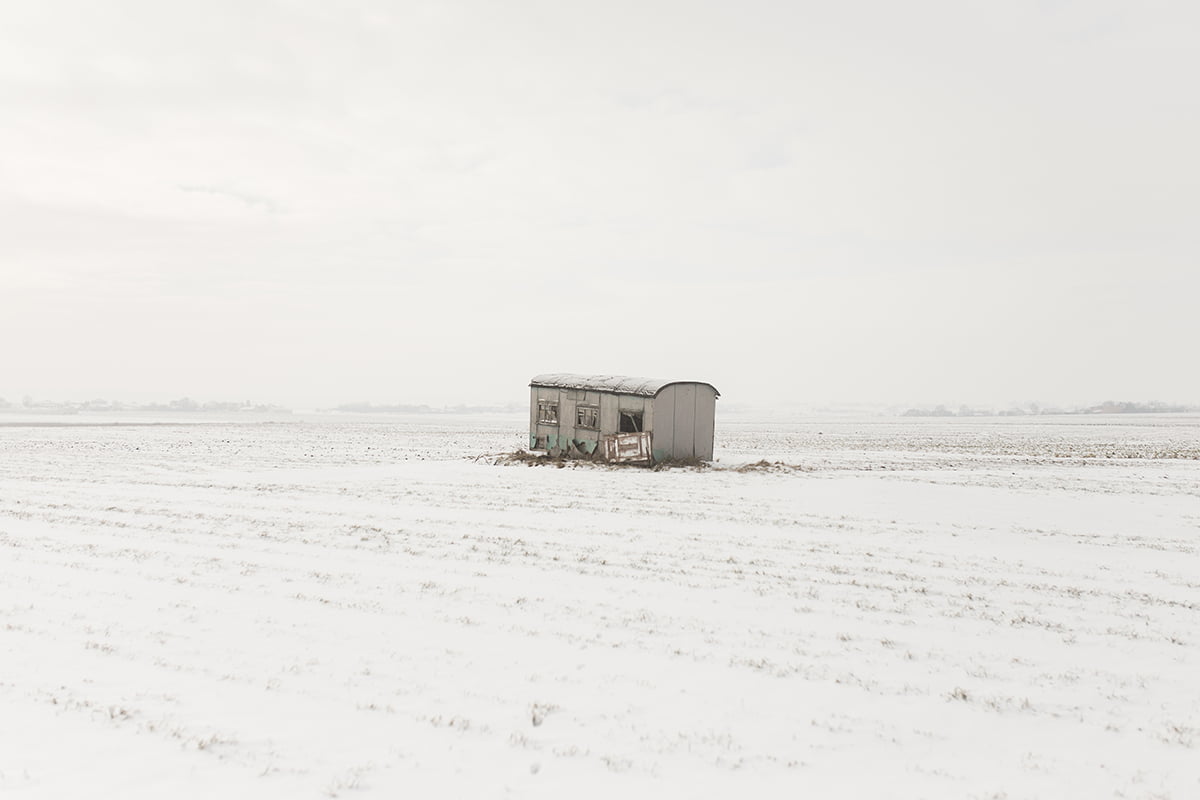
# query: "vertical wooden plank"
{"points": [[706, 421], [685, 420], [533, 398], [566, 414], [610, 418], [664, 423]]}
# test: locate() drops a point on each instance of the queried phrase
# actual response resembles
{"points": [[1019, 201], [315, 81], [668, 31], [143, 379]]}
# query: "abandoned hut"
{"points": [[627, 419]]}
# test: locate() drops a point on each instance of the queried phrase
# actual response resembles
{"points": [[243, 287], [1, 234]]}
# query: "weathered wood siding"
{"points": [[664, 423], [706, 421], [533, 423], [685, 421], [681, 418], [610, 417]]}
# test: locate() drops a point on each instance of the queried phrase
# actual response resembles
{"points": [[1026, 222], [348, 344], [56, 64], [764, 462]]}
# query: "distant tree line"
{"points": [[183, 404], [400, 408], [1033, 409]]}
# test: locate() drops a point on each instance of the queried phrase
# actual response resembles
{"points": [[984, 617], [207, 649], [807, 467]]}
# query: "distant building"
{"points": [[626, 419]]}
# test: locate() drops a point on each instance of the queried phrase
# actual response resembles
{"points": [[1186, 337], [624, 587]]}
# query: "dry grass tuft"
{"points": [[772, 466]]}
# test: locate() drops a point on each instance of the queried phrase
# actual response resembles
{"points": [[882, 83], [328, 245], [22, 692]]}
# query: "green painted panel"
{"points": [[659, 455], [532, 441]]}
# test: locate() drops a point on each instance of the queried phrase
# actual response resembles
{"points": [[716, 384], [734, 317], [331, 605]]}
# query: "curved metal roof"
{"points": [[617, 384]]}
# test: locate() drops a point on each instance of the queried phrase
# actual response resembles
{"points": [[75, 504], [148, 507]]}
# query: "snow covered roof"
{"points": [[618, 384]]}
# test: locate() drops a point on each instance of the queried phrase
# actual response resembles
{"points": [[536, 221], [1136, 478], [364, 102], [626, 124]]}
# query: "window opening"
{"points": [[548, 412], [631, 422], [587, 417]]}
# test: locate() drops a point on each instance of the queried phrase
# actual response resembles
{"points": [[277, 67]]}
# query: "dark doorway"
{"points": [[631, 422]]}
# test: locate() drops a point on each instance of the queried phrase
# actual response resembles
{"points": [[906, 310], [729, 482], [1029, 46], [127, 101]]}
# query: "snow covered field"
{"points": [[959, 608]]}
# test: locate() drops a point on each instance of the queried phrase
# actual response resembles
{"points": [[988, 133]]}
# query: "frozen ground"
{"points": [[915, 608]]}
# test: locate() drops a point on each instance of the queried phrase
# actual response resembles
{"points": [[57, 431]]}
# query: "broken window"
{"points": [[548, 412], [631, 422], [587, 417]]}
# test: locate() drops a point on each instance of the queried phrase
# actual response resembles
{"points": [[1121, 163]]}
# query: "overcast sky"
{"points": [[314, 202]]}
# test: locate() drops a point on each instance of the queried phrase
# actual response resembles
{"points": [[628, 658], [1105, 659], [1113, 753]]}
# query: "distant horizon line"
{"points": [[183, 405]]}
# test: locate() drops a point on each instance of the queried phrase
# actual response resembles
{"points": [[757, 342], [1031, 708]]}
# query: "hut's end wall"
{"points": [[685, 415]]}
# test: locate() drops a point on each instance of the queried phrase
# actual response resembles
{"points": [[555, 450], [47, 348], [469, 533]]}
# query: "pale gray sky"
{"points": [[313, 202]]}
